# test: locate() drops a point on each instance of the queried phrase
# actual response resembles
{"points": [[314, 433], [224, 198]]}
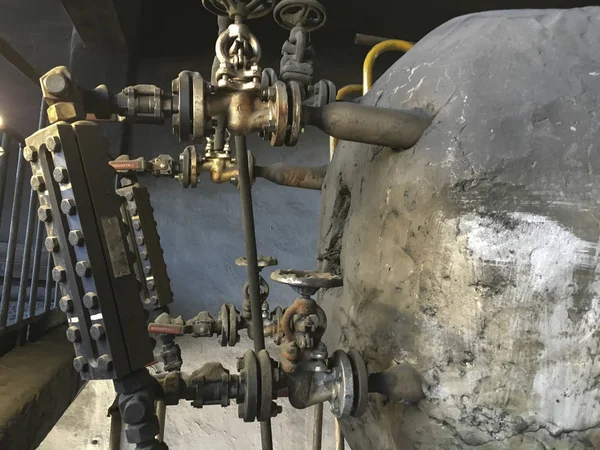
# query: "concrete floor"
{"points": [[86, 427]]}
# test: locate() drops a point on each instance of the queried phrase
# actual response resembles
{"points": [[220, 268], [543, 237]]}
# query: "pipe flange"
{"points": [[308, 14], [233, 337], [266, 385], [278, 114], [184, 164], [239, 8], [342, 396], [295, 118], [223, 318], [361, 383], [184, 89], [248, 409], [198, 96], [193, 167]]}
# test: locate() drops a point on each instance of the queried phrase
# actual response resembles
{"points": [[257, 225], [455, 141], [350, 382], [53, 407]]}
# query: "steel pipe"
{"points": [[245, 187], [368, 124], [12, 238], [318, 427], [294, 176]]}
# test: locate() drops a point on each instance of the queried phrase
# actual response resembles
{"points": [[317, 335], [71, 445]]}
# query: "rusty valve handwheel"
{"points": [[306, 282], [308, 14], [248, 9]]}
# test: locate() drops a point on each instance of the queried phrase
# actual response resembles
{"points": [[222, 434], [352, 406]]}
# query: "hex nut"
{"points": [[90, 300], [51, 244], [135, 410], [129, 195], [75, 238], [60, 174], [147, 270], [66, 304], [80, 364], [73, 334], [45, 213], [37, 183], [144, 255], [97, 331], [142, 432], [105, 363], [140, 240], [83, 268], [136, 224], [30, 154], [63, 111], [151, 285], [67, 206], [53, 143], [59, 274]]}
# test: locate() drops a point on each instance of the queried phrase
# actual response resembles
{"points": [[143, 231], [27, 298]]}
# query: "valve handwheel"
{"points": [[307, 282], [309, 14], [250, 9]]}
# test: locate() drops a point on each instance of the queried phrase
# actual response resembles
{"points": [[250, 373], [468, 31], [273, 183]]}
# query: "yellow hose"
{"points": [[382, 47]]}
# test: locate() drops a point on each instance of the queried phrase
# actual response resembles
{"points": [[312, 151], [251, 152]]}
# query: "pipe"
{"points": [[382, 47], [318, 427], [294, 176], [161, 413], [369, 40], [12, 238], [339, 436], [368, 124], [343, 92], [39, 235], [6, 141], [245, 186], [223, 23], [19, 63]]}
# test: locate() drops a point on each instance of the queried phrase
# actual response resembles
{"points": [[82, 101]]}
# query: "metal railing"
{"points": [[28, 294]]}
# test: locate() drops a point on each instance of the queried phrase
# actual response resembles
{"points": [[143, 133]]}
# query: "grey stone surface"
{"points": [[474, 255]]}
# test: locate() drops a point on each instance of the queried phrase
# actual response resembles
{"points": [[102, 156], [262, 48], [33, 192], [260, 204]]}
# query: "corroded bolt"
{"points": [[59, 274], [90, 300], [37, 183], [66, 304], [129, 195], [151, 284], [73, 334], [67, 206], [154, 300], [75, 237], [105, 363], [147, 270], [51, 244], [140, 240], [144, 255], [55, 83], [132, 210], [83, 269], [97, 332], [136, 224], [80, 364], [45, 213], [53, 143], [30, 154], [60, 174]]}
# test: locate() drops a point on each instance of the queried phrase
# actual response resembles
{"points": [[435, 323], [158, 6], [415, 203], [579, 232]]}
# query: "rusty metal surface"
{"points": [[294, 176]]}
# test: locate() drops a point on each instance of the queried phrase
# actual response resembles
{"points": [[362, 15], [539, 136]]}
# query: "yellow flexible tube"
{"points": [[382, 47]]}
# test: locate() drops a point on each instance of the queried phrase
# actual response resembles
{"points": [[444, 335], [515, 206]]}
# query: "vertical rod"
{"points": [[24, 277], [12, 239], [39, 236], [49, 284], [4, 153], [116, 426], [252, 258], [339, 436], [161, 412], [318, 427]]}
